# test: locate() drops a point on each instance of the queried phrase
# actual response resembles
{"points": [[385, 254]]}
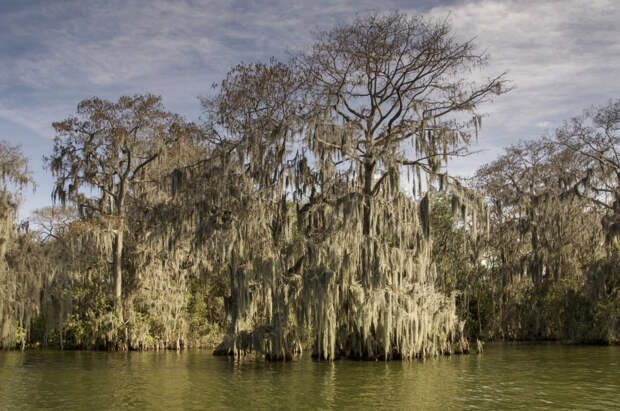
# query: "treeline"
{"points": [[311, 209], [549, 267]]}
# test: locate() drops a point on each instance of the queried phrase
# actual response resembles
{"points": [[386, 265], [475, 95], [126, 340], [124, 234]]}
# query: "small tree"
{"points": [[52, 223]]}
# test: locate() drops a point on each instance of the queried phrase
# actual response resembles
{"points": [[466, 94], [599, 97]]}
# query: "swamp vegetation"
{"points": [[311, 209]]}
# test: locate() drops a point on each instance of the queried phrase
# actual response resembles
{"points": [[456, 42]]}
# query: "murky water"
{"points": [[524, 376]]}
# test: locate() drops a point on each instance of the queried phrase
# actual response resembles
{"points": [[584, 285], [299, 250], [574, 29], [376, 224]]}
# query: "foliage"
{"points": [[553, 237], [19, 285], [352, 264]]}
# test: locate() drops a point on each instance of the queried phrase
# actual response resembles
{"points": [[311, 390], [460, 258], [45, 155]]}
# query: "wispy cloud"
{"points": [[64, 51], [561, 55]]}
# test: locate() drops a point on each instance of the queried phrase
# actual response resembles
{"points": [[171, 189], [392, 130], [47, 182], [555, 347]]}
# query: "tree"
{"points": [[457, 258], [594, 139], [255, 120], [329, 132], [543, 237], [18, 289], [389, 94], [52, 223], [108, 147]]}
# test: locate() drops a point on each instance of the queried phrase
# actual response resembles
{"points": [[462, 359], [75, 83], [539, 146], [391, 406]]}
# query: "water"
{"points": [[527, 376]]}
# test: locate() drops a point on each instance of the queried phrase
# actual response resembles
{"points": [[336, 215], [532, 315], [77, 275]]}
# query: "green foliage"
{"points": [[607, 318], [567, 312], [91, 323]]}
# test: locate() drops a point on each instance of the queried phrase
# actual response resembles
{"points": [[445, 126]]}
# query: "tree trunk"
{"points": [[369, 169], [118, 276], [118, 252], [479, 319]]}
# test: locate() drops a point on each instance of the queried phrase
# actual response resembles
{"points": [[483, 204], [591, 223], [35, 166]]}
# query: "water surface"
{"points": [[527, 376]]}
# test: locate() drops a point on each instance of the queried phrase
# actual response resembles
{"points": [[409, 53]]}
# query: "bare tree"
{"points": [[53, 222], [398, 84]]}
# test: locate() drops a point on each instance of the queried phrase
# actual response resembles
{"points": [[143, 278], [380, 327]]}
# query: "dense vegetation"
{"points": [[312, 209]]}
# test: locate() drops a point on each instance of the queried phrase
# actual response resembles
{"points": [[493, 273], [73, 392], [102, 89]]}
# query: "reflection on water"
{"points": [[505, 376]]}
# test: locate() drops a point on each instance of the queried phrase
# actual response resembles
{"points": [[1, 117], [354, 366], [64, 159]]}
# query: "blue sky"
{"points": [[562, 57]]}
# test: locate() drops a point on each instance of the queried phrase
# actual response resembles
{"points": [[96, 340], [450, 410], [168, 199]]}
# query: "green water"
{"points": [[506, 376]]}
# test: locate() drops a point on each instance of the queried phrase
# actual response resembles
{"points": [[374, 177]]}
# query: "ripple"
{"points": [[505, 376]]}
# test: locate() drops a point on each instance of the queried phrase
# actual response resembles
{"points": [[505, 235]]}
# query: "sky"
{"points": [[561, 57]]}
